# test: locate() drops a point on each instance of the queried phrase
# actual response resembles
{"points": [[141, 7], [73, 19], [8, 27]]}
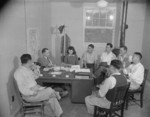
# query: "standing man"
{"points": [[107, 56], [135, 71], [90, 58], [30, 90], [45, 60]]}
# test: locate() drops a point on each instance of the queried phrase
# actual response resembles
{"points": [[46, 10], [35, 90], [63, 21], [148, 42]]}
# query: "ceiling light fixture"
{"points": [[102, 3]]}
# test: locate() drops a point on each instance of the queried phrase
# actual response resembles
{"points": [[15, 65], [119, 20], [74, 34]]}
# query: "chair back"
{"points": [[119, 97], [145, 78], [17, 91]]}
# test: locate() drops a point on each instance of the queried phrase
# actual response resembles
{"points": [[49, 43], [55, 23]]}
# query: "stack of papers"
{"points": [[83, 70], [82, 77], [74, 68]]}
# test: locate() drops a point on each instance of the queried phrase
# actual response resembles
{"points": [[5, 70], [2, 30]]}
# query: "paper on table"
{"points": [[83, 70], [75, 67], [55, 73], [82, 77], [46, 69]]}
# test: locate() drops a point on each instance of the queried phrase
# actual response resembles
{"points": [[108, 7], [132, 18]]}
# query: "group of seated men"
{"points": [[119, 67]]}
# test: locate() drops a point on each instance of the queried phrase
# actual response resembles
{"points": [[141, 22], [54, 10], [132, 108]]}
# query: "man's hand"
{"points": [[96, 93], [35, 93]]}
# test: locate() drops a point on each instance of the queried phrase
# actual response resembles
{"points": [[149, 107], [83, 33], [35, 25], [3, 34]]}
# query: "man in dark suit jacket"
{"points": [[45, 60]]}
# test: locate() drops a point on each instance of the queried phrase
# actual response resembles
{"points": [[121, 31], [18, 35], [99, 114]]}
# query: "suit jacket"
{"points": [[44, 61]]}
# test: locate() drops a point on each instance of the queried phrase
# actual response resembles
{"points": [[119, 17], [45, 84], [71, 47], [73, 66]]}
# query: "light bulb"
{"points": [[102, 3]]}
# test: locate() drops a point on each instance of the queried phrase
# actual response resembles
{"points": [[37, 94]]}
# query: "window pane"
{"points": [[88, 22], [110, 13], [109, 23], [95, 22], [102, 22], [96, 14], [103, 13]]}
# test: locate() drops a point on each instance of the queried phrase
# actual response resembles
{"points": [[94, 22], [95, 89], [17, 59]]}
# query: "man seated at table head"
{"points": [[89, 57], [45, 60], [135, 71], [30, 90], [107, 56], [103, 96], [123, 56]]}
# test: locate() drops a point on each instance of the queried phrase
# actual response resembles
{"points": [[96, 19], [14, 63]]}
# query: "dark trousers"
{"points": [[91, 66]]}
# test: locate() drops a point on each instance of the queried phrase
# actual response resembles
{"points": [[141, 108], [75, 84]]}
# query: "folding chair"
{"points": [[29, 107]]}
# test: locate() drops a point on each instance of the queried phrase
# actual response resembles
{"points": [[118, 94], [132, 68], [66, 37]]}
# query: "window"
{"points": [[99, 24]]}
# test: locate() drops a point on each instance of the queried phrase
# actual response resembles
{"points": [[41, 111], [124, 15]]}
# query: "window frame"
{"points": [[99, 27]]}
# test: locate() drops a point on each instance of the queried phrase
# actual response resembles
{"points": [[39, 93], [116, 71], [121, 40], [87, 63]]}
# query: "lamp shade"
{"points": [[102, 3]]}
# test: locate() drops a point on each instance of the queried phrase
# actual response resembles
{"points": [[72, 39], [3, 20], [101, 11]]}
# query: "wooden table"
{"points": [[80, 88]]}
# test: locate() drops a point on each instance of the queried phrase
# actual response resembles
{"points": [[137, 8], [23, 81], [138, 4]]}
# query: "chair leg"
{"points": [[127, 101], [110, 114], [122, 110], [95, 111], [141, 100], [41, 110]]}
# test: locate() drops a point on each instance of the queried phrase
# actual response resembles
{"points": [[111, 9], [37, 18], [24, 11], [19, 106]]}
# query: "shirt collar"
{"points": [[115, 74], [23, 67]]}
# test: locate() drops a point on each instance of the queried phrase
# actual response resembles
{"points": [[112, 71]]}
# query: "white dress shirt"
{"points": [[90, 57], [25, 79], [107, 57], [109, 83], [136, 75]]}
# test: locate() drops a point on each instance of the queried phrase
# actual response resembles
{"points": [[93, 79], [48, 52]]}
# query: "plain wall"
{"points": [[12, 44], [146, 39], [136, 22], [15, 19]]}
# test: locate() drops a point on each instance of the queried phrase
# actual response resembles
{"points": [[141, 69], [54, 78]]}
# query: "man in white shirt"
{"points": [[30, 90], [107, 56], [135, 71], [123, 56], [102, 98], [90, 57]]}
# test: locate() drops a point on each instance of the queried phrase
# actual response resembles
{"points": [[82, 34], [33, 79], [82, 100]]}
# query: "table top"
{"points": [[64, 75]]}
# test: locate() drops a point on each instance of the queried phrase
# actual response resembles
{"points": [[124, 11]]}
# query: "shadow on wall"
{"points": [[12, 95]]}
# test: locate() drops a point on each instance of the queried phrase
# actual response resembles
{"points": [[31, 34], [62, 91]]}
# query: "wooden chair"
{"points": [[117, 103], [29, 107], [130, 94]]}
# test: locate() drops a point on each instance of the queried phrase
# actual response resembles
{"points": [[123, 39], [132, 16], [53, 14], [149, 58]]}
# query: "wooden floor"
{"points": [[79, 110]]}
